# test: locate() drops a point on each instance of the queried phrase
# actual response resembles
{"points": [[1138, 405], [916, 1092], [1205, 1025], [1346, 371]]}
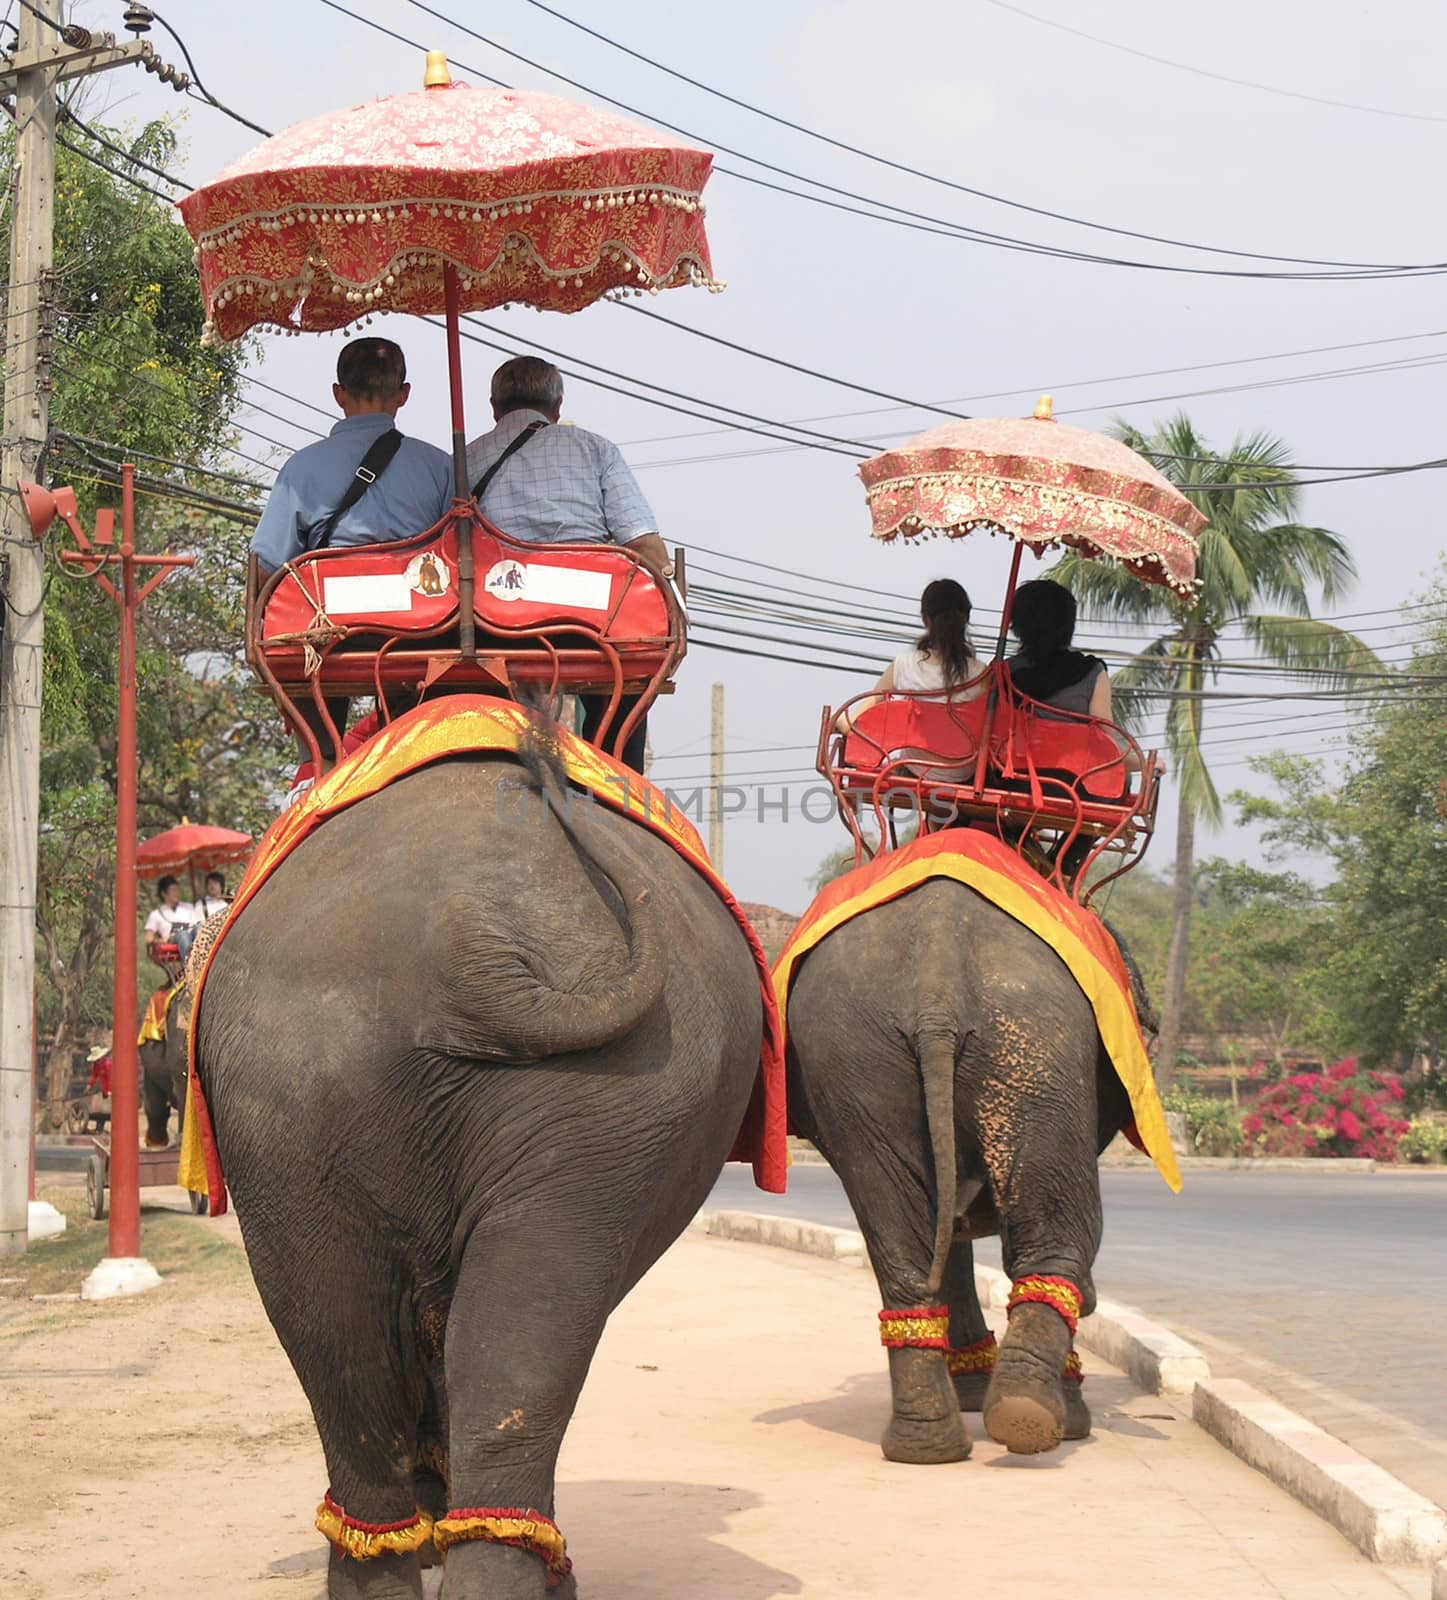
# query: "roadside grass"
{"points": [[181, 1248]]}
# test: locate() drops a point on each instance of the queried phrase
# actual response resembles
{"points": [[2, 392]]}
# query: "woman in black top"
{"points": [[1045, 667]]}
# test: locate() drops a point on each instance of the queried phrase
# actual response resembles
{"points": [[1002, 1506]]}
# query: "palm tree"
{"points": [[1254, 554]]}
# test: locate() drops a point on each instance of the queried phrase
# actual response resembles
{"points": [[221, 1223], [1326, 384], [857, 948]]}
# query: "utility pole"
{"points": [[48, 53], [715, 811]]}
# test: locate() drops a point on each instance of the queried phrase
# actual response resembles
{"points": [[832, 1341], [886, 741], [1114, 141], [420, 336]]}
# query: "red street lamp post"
{"points": [[93, 559]]}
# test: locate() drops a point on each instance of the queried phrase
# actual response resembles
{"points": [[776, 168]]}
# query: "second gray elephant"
{"points": [[948, 1066]]}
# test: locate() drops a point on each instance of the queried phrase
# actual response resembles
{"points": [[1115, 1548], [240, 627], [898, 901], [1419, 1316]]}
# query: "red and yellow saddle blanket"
{"points": [[476, 725], [158, 1008], [990, 867]]}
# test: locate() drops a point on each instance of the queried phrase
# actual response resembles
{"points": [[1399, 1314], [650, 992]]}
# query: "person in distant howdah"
{"points": [[172, 922], [215, 898], [364, 483], [542, 483], [941, 662]]}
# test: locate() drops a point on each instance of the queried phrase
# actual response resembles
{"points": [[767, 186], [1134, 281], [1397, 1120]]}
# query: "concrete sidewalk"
{"points": [[734, 1412], [726, 1448]]}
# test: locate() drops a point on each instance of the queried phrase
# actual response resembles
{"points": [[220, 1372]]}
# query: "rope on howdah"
{"points": [[918, 1328], [1060, 1294], [524, 1529], [363, 1541]]}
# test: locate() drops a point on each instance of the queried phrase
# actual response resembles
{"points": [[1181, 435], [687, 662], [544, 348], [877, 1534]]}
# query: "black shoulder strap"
{"points": [[480, 487], [376, 461]]}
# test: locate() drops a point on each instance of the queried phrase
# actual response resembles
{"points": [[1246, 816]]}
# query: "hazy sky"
{"points": [[977, 93]]}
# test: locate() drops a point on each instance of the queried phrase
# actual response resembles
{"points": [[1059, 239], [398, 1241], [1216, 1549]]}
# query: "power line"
{"points": [[1219, 77], [884, 211], [904, 167], [201, 92], [65, 114]]}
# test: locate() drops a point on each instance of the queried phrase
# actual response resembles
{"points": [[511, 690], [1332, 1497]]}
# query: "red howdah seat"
{"points": [[1049, 778], [354, 619]]}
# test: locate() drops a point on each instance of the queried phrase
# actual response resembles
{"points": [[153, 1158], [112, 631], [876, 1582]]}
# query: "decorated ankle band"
{"points": [[976, 1357], [1074, 1371], [365, 1540], [1060, 1294], [919, 1328], [523, 1529]]}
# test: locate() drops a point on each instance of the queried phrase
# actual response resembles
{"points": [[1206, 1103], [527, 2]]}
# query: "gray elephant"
{"points": [[470, 1075], [948, 1066], [163, 1074]]}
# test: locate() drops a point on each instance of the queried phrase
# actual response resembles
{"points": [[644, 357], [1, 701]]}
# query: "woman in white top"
{"points": [[941, 659]]}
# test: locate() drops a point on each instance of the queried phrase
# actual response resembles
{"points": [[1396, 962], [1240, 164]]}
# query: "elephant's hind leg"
{"points": [[366, 1390], [895, 1209], [1047, 1192], [528, 1309]]}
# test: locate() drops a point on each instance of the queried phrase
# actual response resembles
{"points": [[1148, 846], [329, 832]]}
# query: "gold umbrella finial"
{"points": [[1045, 408], [439, 74]]}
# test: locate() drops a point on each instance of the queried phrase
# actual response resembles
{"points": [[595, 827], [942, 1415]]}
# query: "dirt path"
{"points": [[725, 1448]]}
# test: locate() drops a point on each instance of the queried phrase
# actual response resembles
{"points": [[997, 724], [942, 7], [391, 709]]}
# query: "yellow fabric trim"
{"points": [[1114, 1015], [903, 1330], [541, 1538], [191, 1173], [153, 1024], [364, 1546]]}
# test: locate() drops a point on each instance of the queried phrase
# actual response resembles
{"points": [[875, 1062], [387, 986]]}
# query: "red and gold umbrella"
{"points": [[193, 847], [523, 198], [1043, 484], [446, 200]]}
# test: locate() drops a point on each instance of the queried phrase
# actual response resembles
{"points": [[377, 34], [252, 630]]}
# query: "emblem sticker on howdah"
{"points": [[545, 584], [428, 574]]}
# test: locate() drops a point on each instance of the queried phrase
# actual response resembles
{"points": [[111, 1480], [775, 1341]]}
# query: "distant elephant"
{"points": [[470, 1076], [163, 1075], [935, 1035]]}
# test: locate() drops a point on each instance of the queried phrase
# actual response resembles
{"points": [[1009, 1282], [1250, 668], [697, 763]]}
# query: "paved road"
{"points": [[1330, 1293]]}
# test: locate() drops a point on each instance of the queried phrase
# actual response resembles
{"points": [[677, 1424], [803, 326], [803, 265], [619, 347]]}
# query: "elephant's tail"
{"points": [[535, 1020], [937, 1072]]}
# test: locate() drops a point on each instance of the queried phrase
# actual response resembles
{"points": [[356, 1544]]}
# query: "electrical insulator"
{"points": [[138, 19]]}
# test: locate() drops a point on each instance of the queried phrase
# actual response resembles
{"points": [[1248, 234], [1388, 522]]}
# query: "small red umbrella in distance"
{"points": [[193, 847]]}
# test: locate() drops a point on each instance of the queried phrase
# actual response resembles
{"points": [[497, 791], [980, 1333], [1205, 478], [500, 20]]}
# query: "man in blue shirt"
{"points": [[408, 496], [541, 483], [404, 490]]}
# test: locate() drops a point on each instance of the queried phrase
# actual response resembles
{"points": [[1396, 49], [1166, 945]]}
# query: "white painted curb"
{"points": [[1385, 1519], [1382, 1517], [784, 1233]]}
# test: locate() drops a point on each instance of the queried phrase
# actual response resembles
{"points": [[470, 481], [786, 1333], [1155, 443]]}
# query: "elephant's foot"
{"points": [[970, 1389], [383, 1577], [1025, 1403], [1077, 1413], [153, 1143], [926, 1428], [479, 1570]]}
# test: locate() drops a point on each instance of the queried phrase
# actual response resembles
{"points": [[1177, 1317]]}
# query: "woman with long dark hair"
{"points": [[941, 662]]}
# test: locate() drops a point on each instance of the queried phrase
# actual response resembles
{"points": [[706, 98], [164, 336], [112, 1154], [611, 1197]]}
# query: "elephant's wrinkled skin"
{"points": [[940, 997], [163, 1075], [468, 1084]]}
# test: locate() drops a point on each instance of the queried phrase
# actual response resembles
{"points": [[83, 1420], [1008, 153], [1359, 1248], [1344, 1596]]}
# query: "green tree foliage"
{"points": [[1257, 569], [132, 378], [1381, 966]]}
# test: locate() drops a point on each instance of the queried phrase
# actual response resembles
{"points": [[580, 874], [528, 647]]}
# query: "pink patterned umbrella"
{"points": [[1044, 484], [523, 197]]}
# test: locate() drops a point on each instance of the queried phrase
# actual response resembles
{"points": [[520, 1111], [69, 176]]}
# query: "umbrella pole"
{"points": [[466, 575], [1006, 612]]}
